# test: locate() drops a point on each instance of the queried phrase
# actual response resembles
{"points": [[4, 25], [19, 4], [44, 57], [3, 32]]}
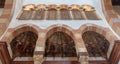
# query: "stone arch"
{"points": [[103, 31], [62, 28], [60, 44], [97, 45], [13, 32], [23, 45], [111, 16]]}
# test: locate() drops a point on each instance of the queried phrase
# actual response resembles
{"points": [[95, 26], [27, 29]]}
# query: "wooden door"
{"points": [[2, 2], [115, 55], [4, 55]]}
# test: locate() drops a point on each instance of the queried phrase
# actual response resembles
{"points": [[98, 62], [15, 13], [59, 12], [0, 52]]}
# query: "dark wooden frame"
{"points": [[115, 55], [2, 3], [4, 54]]}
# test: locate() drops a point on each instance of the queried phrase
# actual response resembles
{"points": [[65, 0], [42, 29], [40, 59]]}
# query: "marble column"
{"points": [[38, 59], [83, 56], [39, 55], [115, 55]]}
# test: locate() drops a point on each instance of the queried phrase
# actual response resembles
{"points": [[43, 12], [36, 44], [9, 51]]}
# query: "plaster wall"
{"points": [[75, 24]]}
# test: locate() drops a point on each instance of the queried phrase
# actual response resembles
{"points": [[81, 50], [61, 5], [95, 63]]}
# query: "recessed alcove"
{"points": [[59, 44], [23, 44], [96, 44], [116, 5]]}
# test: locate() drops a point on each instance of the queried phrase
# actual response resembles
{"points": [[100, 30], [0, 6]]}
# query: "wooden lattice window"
{"points": [[23, 45], [59, 44], [96, 44]]}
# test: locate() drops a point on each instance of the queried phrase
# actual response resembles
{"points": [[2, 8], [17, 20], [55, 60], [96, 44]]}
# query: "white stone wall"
{"points": [[75, 24]]}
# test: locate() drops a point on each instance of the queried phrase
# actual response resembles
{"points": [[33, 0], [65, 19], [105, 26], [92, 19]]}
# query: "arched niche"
{"points": [[97, 45], [60, 44], [23, 44]]}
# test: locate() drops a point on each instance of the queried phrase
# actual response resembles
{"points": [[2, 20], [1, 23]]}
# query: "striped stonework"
{"points": [[111, 15], [6, 16]]}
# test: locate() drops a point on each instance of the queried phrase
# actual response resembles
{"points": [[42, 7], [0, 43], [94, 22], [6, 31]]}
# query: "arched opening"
{"points": [[97, 45], [52, 12], [27, 12], [64, 12], [39, 12], [116, 5], [90, 12], [76, 12], [59, 44], [23, 44]]}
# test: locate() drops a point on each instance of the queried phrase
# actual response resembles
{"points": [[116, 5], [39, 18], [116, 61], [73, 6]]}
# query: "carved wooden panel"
{"points": [[65, 14], [59, 44], [91, 15], [1, 58], [96, 44], [39, 14], [77, 15], [61, 62], [52, 14], [4, 54], [25, 15], [23, 45]]}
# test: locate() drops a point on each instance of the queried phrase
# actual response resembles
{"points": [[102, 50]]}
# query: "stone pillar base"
{"points": [[38, 59], [84, 62], [37, 62]]}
